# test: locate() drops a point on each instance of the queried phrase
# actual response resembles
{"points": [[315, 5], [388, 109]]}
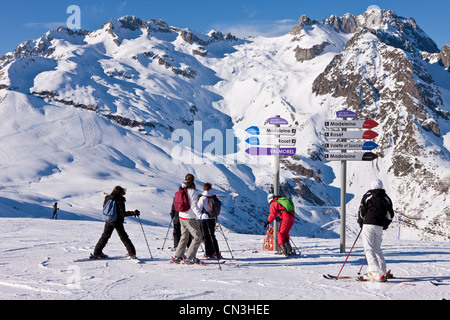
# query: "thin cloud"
{"points": [[44, 25], [256, 28]]}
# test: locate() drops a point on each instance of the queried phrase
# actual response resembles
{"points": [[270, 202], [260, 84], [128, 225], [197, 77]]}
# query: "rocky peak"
{"points": [[444, 56], [345, 24], [302, 22]]}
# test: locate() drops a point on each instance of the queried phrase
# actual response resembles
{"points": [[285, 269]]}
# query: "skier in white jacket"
{"points": [[208, 224], [189, 221]]}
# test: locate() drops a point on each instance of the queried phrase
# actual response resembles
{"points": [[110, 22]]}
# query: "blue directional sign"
{"points": [[365, 146], [369, 146], [271, 141], [253, 130]]}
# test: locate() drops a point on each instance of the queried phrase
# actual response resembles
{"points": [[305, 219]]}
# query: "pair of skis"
{"points": [[360, 278], [202, 263], [106, 258]]}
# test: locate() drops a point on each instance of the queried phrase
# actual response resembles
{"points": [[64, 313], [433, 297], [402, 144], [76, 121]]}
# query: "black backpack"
{"points": [[214, 206]]}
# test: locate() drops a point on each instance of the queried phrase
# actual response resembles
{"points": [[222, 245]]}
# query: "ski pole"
{"points": [[359, 273], [223, 233], [145, 238], [170, 225], [349, 254]]}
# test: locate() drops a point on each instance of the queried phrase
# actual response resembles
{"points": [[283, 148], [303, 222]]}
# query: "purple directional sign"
{"points": [[346, 114], [258, 151], [278, 121]]}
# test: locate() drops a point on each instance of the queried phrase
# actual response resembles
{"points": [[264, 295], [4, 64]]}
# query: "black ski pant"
{"points": [[209, 229], [107, 232]]}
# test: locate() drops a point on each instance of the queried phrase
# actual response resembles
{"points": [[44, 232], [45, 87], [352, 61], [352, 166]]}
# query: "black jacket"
{"points": [[120, 203], [376, 209]]}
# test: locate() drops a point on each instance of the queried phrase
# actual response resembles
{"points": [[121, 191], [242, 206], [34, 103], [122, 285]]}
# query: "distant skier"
{"points": [[55, 211], [287, 218], [375, 215], [117, 195]]}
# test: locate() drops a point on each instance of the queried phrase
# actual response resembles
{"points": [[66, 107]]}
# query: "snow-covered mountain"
{"points": [[141, 104]]}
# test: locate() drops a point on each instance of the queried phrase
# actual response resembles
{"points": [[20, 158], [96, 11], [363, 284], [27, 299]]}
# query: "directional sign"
{"points": [[350, 156], [271, 151], [366, 146], [271, 141], [334, 135], [355, 124], [278, 121], [265, 130], [346, 114]]}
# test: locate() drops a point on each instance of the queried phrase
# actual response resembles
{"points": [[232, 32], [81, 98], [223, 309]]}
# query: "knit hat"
{"points": [[377, 184]]}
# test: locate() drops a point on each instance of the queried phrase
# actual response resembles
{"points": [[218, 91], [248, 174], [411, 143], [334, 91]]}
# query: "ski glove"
{"points": [[266, 224], [137, 213]]}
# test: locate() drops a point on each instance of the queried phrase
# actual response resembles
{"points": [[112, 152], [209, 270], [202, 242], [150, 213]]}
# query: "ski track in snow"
{"points": [[37, 255]]}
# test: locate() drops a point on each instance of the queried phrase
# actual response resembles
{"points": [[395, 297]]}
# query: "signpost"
{"points": [[343, 145], [272, 138]]}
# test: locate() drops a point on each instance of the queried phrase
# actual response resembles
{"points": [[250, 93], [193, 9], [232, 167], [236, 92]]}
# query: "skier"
{"points": [[189, 221], [375, 215], [208, 224], [55, 211], [117, 195], [277, 211]]}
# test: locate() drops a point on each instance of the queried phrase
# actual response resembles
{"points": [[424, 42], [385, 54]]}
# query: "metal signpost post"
{"points": [[345, 156], [273, 136]]}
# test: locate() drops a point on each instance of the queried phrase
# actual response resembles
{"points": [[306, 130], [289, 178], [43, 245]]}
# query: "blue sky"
{"points": [[22, 20]]}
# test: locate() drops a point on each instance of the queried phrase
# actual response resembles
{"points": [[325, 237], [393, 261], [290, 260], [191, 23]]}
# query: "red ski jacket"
{"points": [[277, 209]]}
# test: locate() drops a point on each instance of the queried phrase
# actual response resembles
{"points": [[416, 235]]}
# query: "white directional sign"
{"points": [[351, 124], [367, 135], [271, 141], [350, 156], [367, 146], [266, 130]]}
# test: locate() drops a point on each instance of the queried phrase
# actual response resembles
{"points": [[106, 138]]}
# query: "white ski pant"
{"points": [[372, 238]]}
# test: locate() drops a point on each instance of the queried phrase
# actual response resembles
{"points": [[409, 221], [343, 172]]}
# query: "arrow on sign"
{"points": [[366, 146], [355, 124], [271, 151], [351, 156], [367, 135]]}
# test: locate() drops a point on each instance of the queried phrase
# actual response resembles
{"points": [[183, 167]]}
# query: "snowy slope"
{"points": [[37, 263]]}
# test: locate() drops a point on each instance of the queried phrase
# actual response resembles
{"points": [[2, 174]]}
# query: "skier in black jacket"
{"points": [[375, 215], [118, 196]]}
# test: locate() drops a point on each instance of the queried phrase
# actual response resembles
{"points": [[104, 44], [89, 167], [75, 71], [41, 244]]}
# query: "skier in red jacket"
{"points": [[277, 211]]}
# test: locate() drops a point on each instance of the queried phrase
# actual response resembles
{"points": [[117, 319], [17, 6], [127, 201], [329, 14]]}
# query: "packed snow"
{"points": [[37, 262]]}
